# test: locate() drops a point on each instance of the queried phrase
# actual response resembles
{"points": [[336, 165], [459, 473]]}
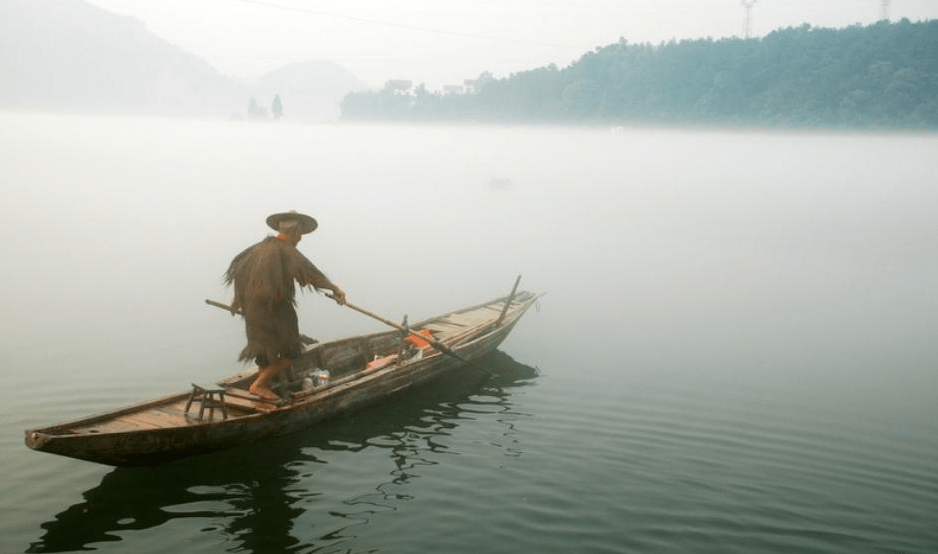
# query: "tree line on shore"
{"points": [[881, 76]]}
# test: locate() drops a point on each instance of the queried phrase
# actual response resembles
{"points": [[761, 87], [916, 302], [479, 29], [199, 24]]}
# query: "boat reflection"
{"points": [[255, 495]]}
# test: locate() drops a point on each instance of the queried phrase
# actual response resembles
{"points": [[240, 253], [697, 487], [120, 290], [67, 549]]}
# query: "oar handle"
{"points": [[222, 306]]}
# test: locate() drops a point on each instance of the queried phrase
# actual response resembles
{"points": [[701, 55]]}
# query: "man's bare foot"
{"points": [[263, 392]]}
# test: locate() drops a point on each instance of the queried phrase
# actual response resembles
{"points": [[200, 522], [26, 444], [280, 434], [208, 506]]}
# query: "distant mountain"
{"points": [[310, 91], [68, 55]]}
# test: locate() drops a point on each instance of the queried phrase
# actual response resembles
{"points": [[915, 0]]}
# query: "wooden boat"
{"points": [[328, 379]]}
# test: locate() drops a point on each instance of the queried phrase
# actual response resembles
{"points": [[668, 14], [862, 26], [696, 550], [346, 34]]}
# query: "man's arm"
{"points": [[310, 276]]}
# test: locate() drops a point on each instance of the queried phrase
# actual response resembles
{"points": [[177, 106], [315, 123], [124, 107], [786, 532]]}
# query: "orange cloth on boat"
{"points": [[417, 341]]}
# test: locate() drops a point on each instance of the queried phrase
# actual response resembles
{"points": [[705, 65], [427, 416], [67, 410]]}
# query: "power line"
{"points": [[404, 25]]}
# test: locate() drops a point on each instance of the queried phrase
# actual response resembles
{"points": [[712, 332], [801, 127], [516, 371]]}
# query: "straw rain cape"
{"points": [[263, 276]]}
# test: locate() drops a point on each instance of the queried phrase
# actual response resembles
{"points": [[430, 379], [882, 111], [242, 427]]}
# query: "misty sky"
{"points": [[440, 42]]}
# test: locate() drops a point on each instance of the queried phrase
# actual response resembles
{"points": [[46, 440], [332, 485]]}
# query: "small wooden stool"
{"points": [[208, 398]]}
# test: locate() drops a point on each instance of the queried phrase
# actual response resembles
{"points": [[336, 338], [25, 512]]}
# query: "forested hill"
{"points": [[882, 76]]}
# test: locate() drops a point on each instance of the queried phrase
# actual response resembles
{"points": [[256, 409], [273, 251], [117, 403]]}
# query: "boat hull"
{"points": [[153, 446]]}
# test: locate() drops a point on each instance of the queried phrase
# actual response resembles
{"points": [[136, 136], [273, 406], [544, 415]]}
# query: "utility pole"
{"points": [[884, 10], [747, 16]]}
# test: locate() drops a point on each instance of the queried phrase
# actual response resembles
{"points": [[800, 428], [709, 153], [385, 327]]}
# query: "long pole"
{"points": [[511, 297], [434, 343]]}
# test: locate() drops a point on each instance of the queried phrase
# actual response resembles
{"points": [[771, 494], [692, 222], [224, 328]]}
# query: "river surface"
{"points": [[737, 351]]}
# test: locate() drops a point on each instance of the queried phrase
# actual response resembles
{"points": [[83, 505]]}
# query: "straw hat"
{"points": [[307, 224]]}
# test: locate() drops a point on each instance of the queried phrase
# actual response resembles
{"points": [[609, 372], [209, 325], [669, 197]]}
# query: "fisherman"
{"points": [[263, 277]]}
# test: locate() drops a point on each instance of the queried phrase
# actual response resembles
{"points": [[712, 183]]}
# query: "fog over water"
{"points": [[771, 293]]}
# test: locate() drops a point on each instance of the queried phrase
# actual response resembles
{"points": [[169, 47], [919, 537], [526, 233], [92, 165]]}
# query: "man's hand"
{"points": [[339, 296]]}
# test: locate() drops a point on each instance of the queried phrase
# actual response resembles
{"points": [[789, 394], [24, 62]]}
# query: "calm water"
{"points": [[737, 351]]}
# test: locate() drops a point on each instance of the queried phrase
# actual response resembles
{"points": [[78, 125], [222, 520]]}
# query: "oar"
{"points": [[434, 343]]}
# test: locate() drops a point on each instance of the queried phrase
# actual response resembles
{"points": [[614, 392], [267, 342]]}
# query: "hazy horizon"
{"points": [[443, 44]]}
